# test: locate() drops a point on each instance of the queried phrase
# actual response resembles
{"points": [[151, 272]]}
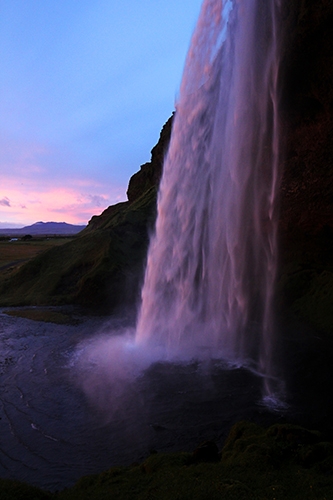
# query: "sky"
{"points": [[85, 88]]}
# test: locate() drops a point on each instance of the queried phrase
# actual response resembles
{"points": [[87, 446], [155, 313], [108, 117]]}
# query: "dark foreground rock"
{"points": [[280, 462], [305, 288]]}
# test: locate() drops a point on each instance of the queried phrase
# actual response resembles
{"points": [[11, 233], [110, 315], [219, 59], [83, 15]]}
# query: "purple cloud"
{"points": [[5, 202], [97, 200]]}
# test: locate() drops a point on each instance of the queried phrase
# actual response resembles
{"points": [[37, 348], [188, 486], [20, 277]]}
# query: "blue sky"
{"points": [[85, 88]]}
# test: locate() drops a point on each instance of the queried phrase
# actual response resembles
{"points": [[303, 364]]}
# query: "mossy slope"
{"points": [[100, 268], [281, 462]]}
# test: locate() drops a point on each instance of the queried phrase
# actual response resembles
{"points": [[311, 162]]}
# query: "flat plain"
{"points": [[14, 253]]}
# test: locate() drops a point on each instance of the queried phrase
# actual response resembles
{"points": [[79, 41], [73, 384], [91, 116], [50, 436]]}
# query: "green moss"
{"points": [[14, 490], [305, 286], [306, 290], [281, 462], [316, 304]]}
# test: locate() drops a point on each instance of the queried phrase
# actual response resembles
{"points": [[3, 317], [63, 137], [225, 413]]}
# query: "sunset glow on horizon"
{"points": [[72, 204], [84, 93]]}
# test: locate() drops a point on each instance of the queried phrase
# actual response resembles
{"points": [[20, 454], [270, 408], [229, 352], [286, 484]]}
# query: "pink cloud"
{"points": [[76, 203], [33, 187], [32, 190]]}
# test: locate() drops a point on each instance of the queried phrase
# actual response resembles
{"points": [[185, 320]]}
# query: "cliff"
{"points": [[305, 286]]}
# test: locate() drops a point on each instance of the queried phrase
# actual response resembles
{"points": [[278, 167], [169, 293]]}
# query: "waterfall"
{"points": [[211, 266]]}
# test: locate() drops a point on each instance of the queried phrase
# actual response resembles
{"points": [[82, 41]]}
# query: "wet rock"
{"points": [[306, 204]]}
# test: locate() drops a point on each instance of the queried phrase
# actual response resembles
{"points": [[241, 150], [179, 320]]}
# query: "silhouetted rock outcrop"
{"points": [[150, 173]]}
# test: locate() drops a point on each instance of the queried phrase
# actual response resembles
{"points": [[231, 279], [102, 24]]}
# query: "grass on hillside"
{"points": [[47, 272], [14, 253], [99, 270]]}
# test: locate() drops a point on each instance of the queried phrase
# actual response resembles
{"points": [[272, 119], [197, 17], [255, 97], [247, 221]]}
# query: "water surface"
{"points": [[52, 433]]}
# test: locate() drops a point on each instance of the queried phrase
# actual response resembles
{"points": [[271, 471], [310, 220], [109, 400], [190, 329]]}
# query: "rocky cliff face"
{"points": [[307, 186], [306, 221], [150, 173]]}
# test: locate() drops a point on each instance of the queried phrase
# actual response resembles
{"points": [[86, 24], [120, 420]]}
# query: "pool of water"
{"points": [[62, 418]]}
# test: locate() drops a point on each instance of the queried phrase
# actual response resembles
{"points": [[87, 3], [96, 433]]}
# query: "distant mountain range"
{"points": [[43, 228]]}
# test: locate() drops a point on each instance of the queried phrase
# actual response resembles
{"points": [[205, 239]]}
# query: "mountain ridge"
{"points": [[44, 228]]}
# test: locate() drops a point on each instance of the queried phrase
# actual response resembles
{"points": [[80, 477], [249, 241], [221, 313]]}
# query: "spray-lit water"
{"points": [[211, 267]]}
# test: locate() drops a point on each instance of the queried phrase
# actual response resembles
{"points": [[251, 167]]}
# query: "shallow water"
{"points": [[52, 433]]}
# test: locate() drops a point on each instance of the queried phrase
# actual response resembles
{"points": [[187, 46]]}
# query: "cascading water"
{"points": [[211, 266]]}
